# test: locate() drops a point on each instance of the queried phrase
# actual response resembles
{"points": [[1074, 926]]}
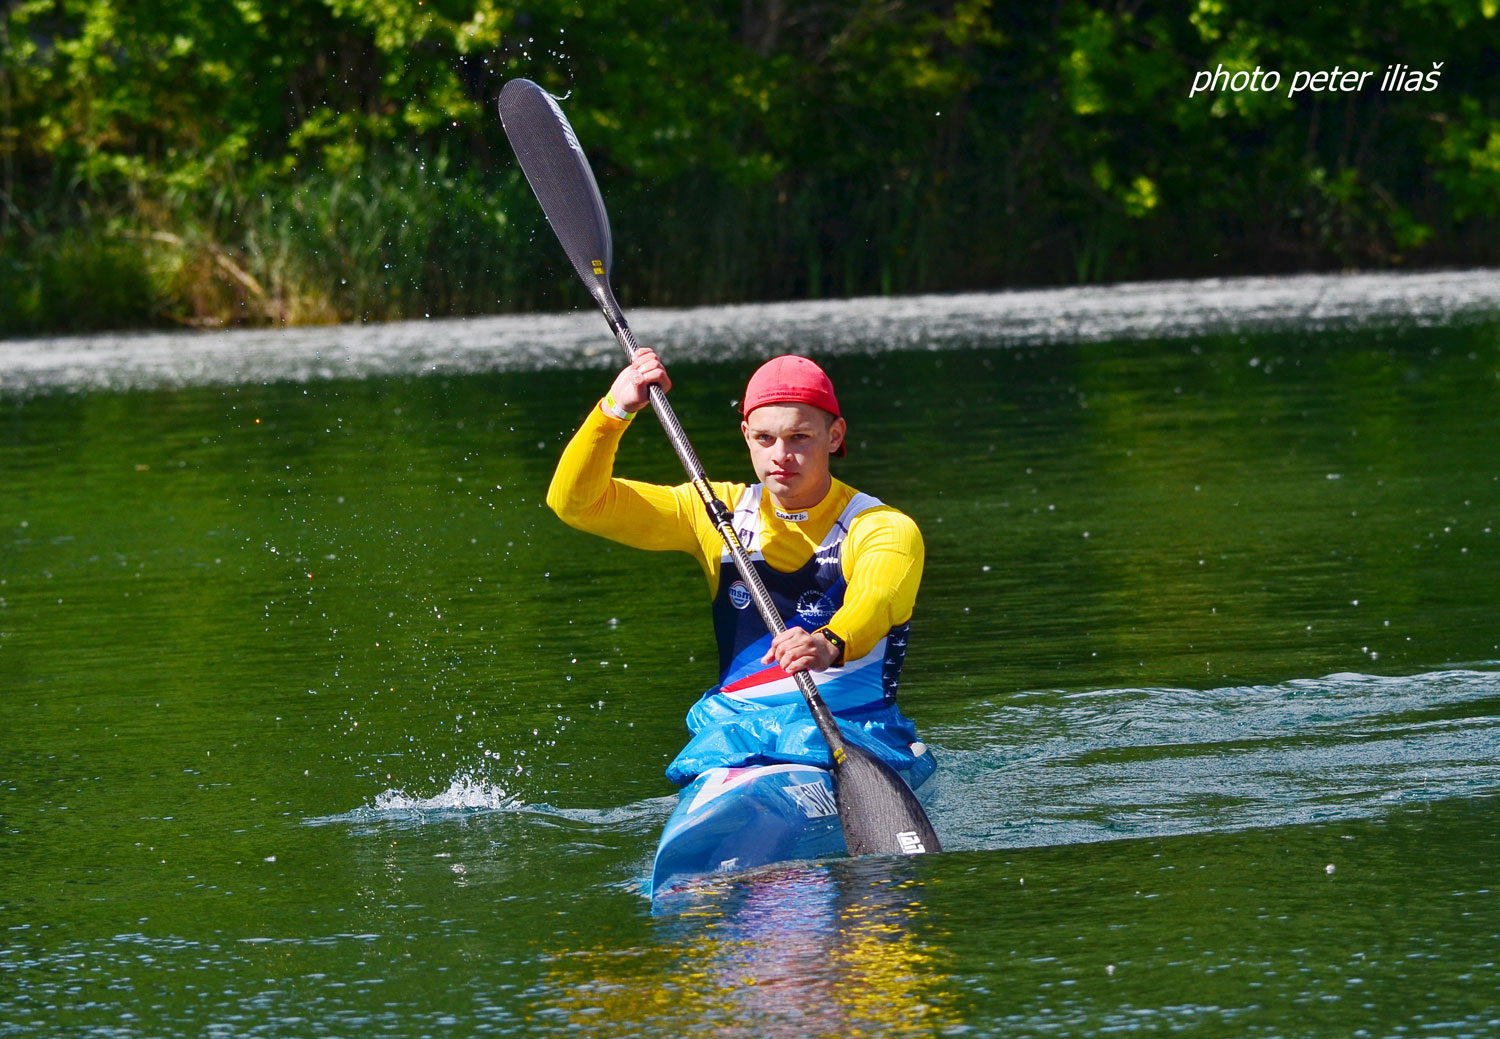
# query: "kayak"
{"points": [[733, 819]]}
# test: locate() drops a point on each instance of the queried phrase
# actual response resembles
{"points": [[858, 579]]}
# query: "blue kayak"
{"points": [[733, 819]]}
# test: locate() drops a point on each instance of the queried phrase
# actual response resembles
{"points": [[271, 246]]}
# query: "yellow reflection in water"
{"points": [[798, 951]]}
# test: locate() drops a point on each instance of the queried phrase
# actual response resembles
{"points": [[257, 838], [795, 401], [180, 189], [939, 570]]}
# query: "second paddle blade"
{"points": [[560, 176]]}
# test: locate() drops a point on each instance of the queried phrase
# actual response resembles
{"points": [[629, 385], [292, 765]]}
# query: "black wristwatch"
{"points": [[838, 644]]}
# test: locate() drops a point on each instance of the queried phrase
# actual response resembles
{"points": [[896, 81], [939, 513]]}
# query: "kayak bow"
{"points": [[733, 819]]}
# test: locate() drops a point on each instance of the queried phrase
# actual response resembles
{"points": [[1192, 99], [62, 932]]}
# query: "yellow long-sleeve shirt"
{"points": [[881, 559]]}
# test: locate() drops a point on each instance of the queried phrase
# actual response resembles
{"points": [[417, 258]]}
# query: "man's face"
{"points": [[789, 448]]}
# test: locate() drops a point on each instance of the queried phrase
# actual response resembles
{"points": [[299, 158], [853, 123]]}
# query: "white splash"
{"points": [[465, 793]]}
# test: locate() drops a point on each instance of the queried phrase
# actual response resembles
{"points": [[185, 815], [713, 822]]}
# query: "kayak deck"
{"points": [[733, 819]]}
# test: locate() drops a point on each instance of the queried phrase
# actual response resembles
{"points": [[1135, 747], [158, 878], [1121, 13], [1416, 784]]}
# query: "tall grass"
{"points": [[403, 235], [73, 281], [397, 236], [408, 235]]}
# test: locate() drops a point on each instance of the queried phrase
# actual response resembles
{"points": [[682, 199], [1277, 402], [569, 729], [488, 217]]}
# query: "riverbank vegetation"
{"points": [[291, 161]]}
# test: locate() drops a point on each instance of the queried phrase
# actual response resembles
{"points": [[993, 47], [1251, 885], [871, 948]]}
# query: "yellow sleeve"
{"points": [[882, 563], [586, 495]]}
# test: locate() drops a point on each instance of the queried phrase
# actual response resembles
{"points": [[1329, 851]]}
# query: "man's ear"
{"points": [[836, 433]]}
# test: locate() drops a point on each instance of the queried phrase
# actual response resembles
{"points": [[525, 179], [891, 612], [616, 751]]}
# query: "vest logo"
{"points": [[911, 843], [791, 517], [739, 595], [747, 538], [815, 607]]}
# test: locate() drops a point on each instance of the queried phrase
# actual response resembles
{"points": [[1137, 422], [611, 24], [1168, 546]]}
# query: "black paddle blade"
{"points": [[879, 813], [560, 177]]}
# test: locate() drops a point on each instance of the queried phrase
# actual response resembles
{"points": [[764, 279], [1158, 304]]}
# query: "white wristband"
{"points": [[610, 407]]}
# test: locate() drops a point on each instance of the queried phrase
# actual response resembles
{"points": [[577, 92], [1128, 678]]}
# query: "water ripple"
{"points": [[1128, 763]]}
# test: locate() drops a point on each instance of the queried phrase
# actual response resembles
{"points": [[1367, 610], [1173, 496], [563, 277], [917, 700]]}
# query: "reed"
{"points": [[73, 281], [397, 236], [407, 235]]}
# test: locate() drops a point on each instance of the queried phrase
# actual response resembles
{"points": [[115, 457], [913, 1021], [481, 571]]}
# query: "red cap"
{"points": [[790, 379]]}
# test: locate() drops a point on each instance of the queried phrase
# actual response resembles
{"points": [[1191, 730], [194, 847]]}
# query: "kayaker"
{"points": [[842, 567]]}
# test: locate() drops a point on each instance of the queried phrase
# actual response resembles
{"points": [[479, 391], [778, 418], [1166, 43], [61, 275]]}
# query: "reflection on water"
{"points": [[802, 950]]}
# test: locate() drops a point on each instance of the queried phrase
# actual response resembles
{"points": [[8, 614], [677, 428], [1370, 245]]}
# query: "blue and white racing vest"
{"points": [[756, 715]]}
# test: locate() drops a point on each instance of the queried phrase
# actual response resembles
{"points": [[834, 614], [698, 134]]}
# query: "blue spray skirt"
{"points": [[732, 819]]}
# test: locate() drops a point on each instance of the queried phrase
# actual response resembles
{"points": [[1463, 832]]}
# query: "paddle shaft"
{"points": [[723, 521]]}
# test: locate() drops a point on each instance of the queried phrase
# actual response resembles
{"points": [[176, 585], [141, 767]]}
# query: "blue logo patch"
{"points": [[739, 595]]}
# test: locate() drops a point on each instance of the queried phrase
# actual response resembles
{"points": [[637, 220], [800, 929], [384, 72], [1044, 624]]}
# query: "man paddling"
{"points": [[842, 568]]}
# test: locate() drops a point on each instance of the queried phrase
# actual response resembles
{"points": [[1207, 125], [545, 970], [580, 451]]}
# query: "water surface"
{"points": [[316, 722]]}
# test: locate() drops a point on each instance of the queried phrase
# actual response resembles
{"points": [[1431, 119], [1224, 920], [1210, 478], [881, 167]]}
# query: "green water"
{"points": [[314, 722]]}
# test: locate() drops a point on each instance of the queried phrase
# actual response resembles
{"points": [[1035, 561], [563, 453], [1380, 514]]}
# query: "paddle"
{"points": [[877, 811]]}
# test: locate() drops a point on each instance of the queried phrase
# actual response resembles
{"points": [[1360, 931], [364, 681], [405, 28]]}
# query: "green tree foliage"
{"points": [[306, 160]]}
